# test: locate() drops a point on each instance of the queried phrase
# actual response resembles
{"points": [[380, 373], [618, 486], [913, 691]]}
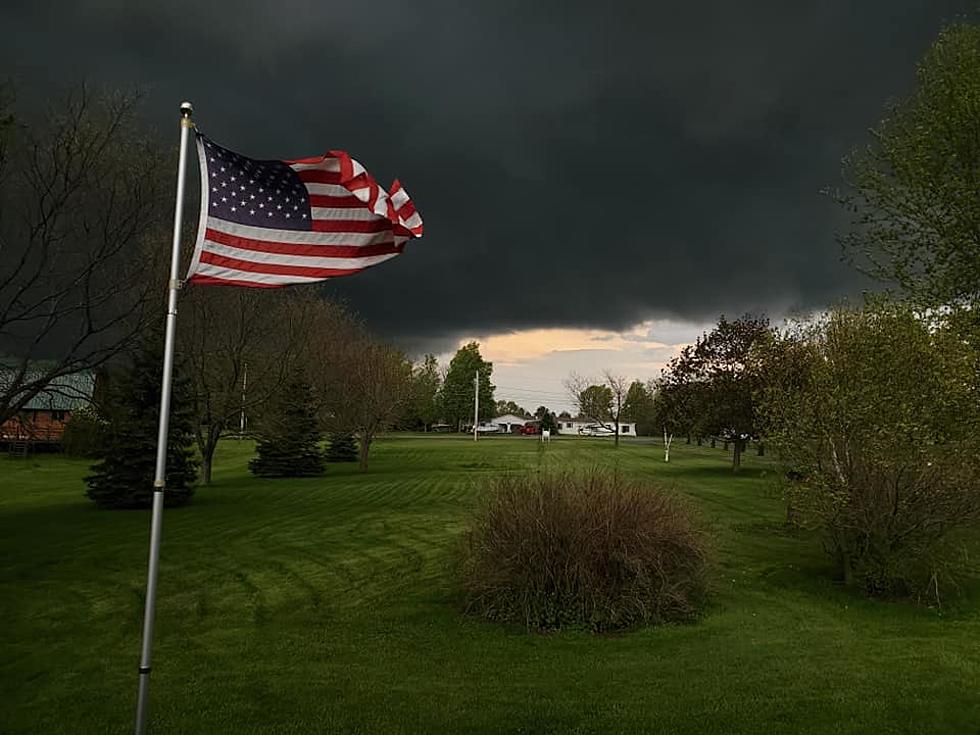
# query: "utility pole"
{"points": [[476, 402], [241, 418]]}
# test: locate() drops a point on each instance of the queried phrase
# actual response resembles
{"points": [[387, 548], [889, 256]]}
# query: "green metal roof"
{"points": [[64, 393]]}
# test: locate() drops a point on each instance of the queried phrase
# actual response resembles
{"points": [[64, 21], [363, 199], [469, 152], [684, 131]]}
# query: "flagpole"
{"points": [[159, 480]]}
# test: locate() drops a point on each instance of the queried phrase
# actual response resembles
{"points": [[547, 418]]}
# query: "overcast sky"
{"points": [[619, 172]]}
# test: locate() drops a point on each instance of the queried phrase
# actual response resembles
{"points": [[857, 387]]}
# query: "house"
{"points": [[510, 423], [587, 427], [43, 418]]}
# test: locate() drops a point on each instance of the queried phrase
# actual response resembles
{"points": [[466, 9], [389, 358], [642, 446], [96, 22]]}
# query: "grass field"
{"points": [[325, 605]]}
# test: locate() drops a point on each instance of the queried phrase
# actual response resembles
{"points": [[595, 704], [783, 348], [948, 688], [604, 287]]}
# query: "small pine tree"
{"points": [[123, 478], [290, 441], [343, 448]]}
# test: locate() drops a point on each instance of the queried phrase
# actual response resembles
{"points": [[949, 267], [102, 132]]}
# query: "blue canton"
{"points": [[256, 193]]}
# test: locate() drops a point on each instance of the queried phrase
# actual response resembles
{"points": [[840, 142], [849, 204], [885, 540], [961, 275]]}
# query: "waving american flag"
{"points": [[276, 223]]}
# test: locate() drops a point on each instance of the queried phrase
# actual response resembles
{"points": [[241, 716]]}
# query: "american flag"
{"points": [[276, 223]]}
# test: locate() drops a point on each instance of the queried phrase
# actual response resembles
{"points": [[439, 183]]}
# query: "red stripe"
{"points": [[212, 281], [308, 159], [290, 248], [350, 225], [273, 269], [319, 176], [406, 210], [346, 202]]}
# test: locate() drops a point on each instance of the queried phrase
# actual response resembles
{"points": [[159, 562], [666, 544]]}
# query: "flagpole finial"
{"points": [[186, 109]]}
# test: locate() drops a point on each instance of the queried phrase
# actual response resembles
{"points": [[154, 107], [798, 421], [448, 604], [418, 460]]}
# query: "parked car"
{"points": [[531, 428], [596, 430]]}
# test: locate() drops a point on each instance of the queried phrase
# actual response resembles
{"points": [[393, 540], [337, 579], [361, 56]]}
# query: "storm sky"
{"points": [[578, 165]]}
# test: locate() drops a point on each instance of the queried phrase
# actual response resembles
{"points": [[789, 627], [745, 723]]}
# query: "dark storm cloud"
{"points": [[576, 164]]}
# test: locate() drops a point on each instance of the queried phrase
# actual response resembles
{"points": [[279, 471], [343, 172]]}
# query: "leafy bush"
{"points": [[593, 550], [84, 433], [875, 410]]}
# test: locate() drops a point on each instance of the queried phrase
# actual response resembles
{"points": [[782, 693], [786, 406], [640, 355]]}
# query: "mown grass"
{"points": [[324, 605]]}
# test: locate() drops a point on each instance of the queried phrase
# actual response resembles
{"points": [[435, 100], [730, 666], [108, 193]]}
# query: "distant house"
{"points": [[43, 418], [507, 424], [588, 427], [510, 423]]}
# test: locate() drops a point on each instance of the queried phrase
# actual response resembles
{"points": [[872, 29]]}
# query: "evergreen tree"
{"points": [[343, 448], [289, 444], [124, 476]]}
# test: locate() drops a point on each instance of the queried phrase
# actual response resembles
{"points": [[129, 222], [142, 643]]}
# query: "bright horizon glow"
{"points": [[531, 365]]}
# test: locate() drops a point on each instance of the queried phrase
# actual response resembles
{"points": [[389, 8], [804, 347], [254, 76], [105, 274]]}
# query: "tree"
{"points": [[546, 419], [82, 197], [289, 439], [874, 412], [370, 386], [457, 394], [718, 379], [241, 346], [913, 190], [603, 402], [342, 448], [123, 478], [638, 407], [503, 407], [423, 406], [676, 402]]}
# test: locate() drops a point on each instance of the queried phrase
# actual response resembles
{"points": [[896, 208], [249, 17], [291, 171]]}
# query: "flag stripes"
{"points": [[275, 223]]}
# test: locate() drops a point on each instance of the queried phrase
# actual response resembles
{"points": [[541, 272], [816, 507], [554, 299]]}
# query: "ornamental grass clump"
{"points": [[593, 550]]}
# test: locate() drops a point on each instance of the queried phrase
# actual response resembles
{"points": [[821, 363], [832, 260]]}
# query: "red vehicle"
{"points": [[531, 428]]}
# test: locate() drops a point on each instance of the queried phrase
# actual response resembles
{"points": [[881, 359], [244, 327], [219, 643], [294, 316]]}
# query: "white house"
{"points": [[509, 423], [587, 427]]}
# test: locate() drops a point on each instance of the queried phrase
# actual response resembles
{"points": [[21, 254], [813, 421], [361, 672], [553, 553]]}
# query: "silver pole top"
{"points": [[186, 109]]}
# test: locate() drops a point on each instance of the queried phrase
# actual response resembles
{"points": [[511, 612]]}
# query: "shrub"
{"points": [[593, 550], [84, 433], [289, 443], [342, 448], [875, 410]]}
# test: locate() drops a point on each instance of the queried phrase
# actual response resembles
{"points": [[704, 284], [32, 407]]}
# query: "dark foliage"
{"points": [[84, 434], [593, 550], [342, 448], [124, 476], [289, 444]]}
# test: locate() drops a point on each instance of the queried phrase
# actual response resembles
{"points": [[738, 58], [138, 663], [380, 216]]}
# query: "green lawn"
{"points": [[325, 605]]}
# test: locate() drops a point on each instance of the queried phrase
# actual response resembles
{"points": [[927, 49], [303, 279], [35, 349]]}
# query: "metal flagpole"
{"points": [[159, 480]]}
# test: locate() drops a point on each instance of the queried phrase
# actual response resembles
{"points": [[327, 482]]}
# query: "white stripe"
{"points": [[359, 214], [330, 190], [231, 274], [399, 198], [306, 261], [299, 237], [412, 222], [327, 164]]}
